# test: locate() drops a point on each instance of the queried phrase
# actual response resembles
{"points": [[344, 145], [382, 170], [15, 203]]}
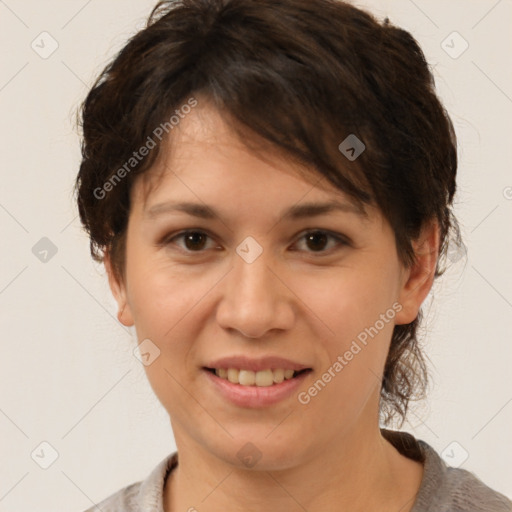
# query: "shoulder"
{"points": [[445, 488], [140, 496], [462, 490], [448, 489], [125, 500]]}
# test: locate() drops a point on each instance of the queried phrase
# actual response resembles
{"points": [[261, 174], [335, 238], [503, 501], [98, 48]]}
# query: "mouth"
{"points": [[263, 378], [258, 388]]}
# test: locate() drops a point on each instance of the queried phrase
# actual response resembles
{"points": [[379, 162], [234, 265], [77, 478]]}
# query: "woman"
{"points": [[269, 185]]}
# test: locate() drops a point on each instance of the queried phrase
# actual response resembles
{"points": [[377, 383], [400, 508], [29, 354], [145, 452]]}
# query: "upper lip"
{"points": [[256, 365]]}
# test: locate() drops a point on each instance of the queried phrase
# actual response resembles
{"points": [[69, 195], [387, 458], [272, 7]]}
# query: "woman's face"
{"points": [[253, 282]]}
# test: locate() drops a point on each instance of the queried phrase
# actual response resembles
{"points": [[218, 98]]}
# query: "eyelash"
{"points": [[342, 241]]}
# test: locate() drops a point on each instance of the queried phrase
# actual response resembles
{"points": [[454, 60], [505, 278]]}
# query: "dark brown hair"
{"points": [[301, 75]]}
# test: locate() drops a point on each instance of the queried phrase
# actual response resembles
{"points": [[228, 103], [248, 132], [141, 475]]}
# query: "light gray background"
{"points": [[68, 376]]}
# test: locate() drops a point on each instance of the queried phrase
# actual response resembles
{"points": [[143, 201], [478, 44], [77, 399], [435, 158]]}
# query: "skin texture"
{"points": [[296, 301]]}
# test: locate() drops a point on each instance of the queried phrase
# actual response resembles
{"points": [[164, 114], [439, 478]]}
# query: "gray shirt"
{"points": [[443, 488]]}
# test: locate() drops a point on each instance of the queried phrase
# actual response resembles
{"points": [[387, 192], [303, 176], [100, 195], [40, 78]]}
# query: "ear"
{"points": [[419, 278], [118, 289]]}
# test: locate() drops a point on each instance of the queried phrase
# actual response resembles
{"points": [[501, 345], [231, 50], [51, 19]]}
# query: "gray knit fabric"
{"points": [[443, 488]]}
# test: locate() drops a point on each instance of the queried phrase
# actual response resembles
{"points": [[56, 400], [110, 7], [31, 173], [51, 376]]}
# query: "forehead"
{"points": [[204, 158]]}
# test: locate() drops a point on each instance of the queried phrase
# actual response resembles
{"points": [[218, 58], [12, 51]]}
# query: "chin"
{"points": [[258, 453]]}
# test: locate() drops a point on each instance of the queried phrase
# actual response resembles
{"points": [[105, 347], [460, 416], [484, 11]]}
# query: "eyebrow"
{"points": [[296, 212]]}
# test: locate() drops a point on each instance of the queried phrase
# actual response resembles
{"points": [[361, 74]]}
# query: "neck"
{"points": [[360, 471]]}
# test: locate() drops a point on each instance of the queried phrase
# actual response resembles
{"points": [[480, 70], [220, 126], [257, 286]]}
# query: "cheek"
{"points": [[349, 382], [161, 296], [357, 318], [165, 307], [346, 301], [172, 308]]}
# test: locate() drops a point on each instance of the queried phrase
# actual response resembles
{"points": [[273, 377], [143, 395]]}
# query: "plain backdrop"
{"points": [[68, 375]]}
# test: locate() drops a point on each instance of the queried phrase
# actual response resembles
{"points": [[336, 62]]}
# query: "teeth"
{"points": [[262, 378], [288, 374], [278, 376], [222, 372], [233, 375], [246, 378]]}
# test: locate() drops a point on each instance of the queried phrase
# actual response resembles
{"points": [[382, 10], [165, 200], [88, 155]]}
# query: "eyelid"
{"points": [[167, 239], [342, 240]]}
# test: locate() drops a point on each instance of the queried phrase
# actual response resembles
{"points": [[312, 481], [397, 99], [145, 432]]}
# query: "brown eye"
{"points": [[193, 241], [317, 241]]}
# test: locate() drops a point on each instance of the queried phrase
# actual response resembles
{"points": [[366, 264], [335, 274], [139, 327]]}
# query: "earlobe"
{"points": [[118, 290], [124, 315], [419, 278]]}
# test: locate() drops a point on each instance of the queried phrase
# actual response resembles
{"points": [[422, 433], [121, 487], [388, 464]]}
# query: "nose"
{"points": [[255, 299]]}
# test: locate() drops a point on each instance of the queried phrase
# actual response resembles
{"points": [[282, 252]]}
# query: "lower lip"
{"points": [[255, 396]]}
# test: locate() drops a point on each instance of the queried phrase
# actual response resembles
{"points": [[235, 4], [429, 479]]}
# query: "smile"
{"points": [[263, 378]]}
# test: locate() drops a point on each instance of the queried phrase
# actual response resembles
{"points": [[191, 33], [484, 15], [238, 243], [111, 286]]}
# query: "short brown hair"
{"points": [[301, 75]]}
